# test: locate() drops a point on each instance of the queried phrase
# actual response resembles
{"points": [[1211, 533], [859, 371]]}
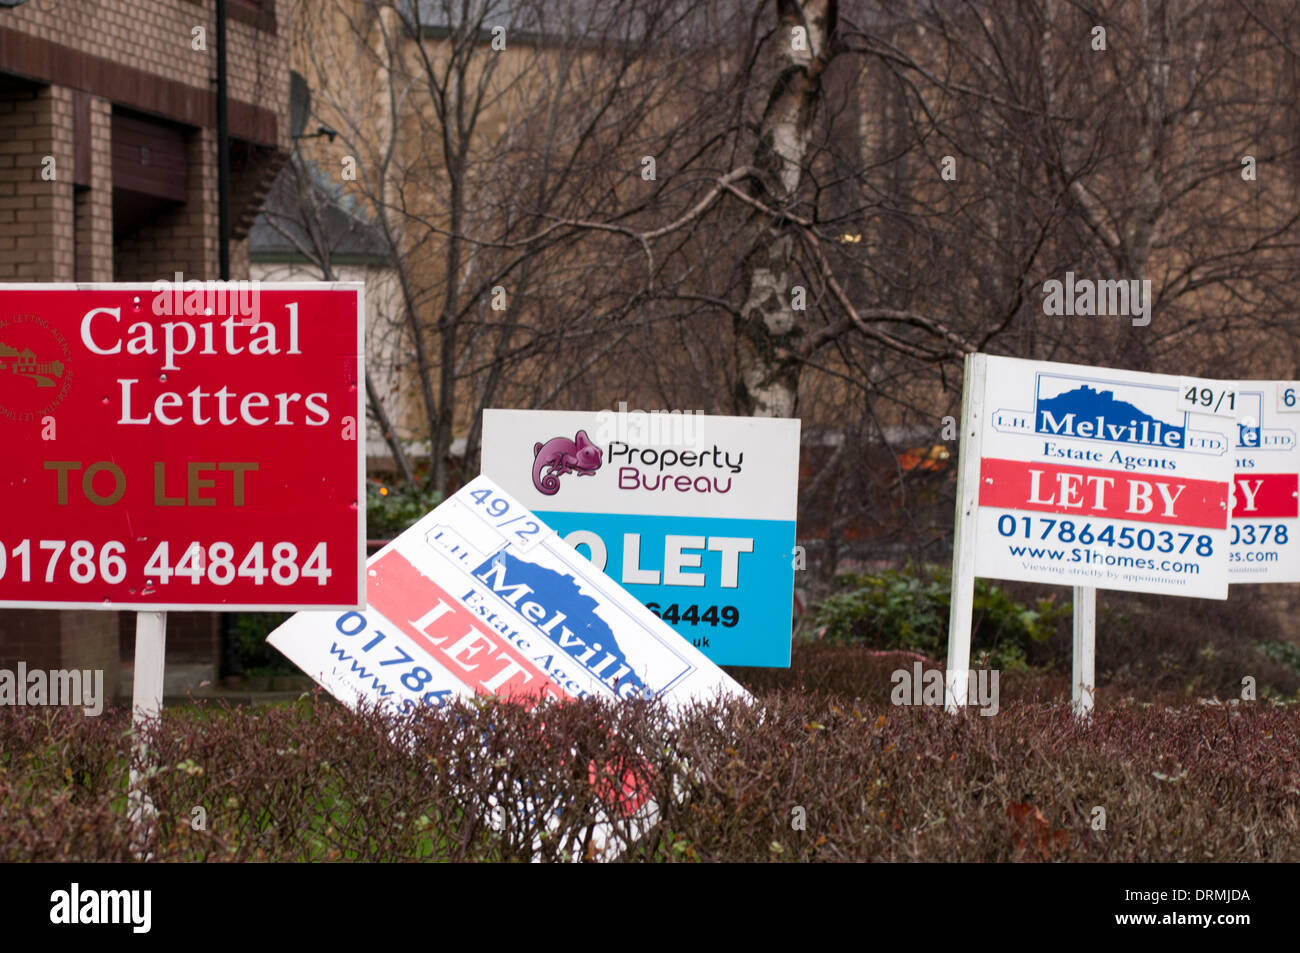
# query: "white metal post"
{"points": [[1085, 650], [146, 706], [150, 648], [963, 541]]}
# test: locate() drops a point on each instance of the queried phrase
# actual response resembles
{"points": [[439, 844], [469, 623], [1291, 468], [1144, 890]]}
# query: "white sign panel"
{"points": [[1264, 528], [693, 514], [1097, 477], [481, 597]]}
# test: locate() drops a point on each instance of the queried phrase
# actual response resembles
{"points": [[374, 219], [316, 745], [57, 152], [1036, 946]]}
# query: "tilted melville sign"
{"points": [[181, 446], [481, 597], [693, 514], [1265, 527]]}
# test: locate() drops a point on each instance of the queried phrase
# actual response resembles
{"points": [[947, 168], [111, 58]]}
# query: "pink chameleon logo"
{"points": [[560, 455]]}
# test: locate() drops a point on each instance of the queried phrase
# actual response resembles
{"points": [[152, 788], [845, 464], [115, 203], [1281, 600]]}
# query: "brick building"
{"points": [[109, 172]]}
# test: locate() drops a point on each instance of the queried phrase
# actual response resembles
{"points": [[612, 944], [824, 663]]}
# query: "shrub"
{"points": [[1196, 646], [256, 657], [909, 610], [488, 780], [391, 509]]}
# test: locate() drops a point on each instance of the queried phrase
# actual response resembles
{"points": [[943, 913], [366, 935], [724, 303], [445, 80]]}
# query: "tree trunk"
{"points": [[768, 328]]}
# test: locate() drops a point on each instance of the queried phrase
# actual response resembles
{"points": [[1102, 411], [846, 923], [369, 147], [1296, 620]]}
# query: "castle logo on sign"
{"points": [[558, 609], [1094, 414], [1107, 412]]}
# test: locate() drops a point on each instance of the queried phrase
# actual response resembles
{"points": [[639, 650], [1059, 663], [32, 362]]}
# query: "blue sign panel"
{"points": [[694, 515]]}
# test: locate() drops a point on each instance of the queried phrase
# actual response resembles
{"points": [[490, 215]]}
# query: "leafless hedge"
{"points": [[792, 777]]}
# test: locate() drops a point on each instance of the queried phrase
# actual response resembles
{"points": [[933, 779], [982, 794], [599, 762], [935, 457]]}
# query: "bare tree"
{"points": [[811, 207]]}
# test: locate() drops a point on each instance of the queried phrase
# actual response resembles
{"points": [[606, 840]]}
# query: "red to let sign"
{"points": [[195, 445]]}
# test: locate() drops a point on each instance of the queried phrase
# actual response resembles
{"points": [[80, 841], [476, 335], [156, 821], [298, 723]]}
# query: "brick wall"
{"points": [[20, 148], [191, 636], [93, 214], [30, 636], [87, 640], [61, 640], [36, 205], [157, 37], [64, 68]]}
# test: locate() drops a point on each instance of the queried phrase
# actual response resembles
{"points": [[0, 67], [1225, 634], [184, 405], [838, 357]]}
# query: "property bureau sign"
{"points": [[693, 514]]}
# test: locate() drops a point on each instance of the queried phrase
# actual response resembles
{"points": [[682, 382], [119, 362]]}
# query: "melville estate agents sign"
{"points": [[181, 446], [479, 597], [1264, 525], [1106, 478], [694, 515]]}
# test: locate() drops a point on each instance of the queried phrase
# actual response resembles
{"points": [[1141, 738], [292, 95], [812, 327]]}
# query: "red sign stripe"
{"points": [[479, 656], [1265, 496], [1108, 494]]}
